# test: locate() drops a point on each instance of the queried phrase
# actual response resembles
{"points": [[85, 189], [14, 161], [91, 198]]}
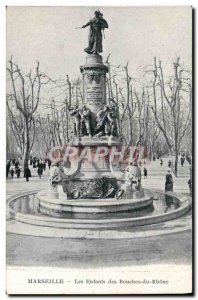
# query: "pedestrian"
{"points": [[34, 162], [169, 163], [31, 160], [190, 186], [12, 171], [145, 173], [169, 182], [7, 168], [27, 173], [18, 172], [182, 161], [49, 163], [16, 164], [40, 170], [161, 162], [44, 165]]}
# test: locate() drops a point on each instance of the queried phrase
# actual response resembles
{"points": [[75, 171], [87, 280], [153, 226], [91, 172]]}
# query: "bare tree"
{"points": [[16, 122], [26, 91], [45, 128], [174, 115], [142, 115], [152, 137]]}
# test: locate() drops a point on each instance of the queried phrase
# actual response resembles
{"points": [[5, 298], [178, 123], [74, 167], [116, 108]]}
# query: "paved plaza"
{"points": [[174, 246], [155, 180]]}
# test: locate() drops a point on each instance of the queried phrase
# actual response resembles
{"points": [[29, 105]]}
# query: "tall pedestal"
{"points": [[94, 82], [94, 93]]}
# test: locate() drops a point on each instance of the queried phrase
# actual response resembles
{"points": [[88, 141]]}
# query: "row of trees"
{"points": [[154, 109]]}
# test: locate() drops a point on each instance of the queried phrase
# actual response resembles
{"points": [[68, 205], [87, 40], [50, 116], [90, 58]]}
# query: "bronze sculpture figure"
{"points": [[97, 24]]}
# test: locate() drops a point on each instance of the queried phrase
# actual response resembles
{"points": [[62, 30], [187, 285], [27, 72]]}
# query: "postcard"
{"points": [[99, 170]]}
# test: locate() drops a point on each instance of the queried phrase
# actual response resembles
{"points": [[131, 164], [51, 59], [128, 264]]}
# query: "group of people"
{"points": [[106, 121], [154, 157], [82, 121], [185, 157], [40, 162], [14, 166], [106, 124], [169, 178]]}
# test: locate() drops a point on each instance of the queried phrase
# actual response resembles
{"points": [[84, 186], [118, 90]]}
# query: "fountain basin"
{"points": [[89, 206], [177, 206]]}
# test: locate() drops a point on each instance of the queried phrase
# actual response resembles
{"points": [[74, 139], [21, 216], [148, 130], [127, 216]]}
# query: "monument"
{"points": [[92, 175], [94, 193], [88, 196]]}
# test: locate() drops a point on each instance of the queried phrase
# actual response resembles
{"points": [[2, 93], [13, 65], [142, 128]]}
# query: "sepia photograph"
{"points": [[99, 150]]}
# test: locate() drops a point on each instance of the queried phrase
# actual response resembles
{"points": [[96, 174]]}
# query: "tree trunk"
{"points": [[176, 158], [27, 146]]}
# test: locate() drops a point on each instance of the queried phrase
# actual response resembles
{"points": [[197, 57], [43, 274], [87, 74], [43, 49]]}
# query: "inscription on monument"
{"points": [[94, 91], [94, 94]]}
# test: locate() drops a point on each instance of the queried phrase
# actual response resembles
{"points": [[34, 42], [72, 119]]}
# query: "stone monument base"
{"points": [[96, 141], [90, 206]]}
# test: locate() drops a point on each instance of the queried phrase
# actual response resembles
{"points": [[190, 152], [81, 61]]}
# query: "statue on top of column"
{"points": [[97, 24]]}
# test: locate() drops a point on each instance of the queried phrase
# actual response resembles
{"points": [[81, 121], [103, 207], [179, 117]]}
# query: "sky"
{"points": [[135, 34]]}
